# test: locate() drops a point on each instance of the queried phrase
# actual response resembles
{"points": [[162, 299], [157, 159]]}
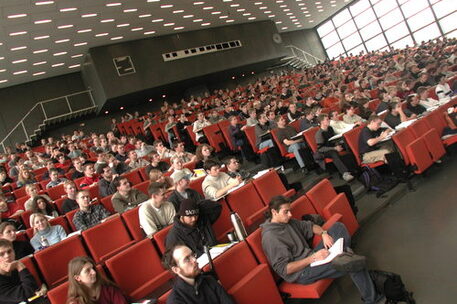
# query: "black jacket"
{"points": [[17, 287], [176, 198], [106, 188], [206, 290], [202, 233]]}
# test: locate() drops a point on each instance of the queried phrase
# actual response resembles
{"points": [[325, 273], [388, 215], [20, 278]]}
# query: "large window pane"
{"points": [[357, 50], [359, 7], [412, 7], [449, 23], [370, 30], [397, 32], [335, 51], [341, 18], [427, 33], [365, 18], [346, 29], [402, 43], [376, 43], [444, 7], [373, 2], [352, 41], [423, 18], [330, 39], [384, 6], [391, 18], [325, 28], [452, 34]]}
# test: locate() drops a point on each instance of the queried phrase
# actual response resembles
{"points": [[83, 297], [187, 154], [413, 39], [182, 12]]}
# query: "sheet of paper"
{"points": [[405, 124], [214, 252], [335, 250]]}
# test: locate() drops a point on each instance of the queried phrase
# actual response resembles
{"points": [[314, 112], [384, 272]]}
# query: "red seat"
{"points": [[138, 270], [59, 203], [62, 221], [106, 202], [323, 195], [53, 261], [143, 187], [133, 177], [20, 192], [420, 127], [434, 144], [190, 165], [25, 217], [269, 185], [215, 137], [160, 238], [29, 263], [402, 139], [352, 139], [437, 120], [250, 135], [196, 184], [93, 191], [280, 145], [223, 225], [56, 192], [21, 201], [106, 239], [58, 295], [78, 182], [142, 172], [69, 216], [247, 203], [419, 155], [192, 134], [132, 221], [301, 206], [157, 132], [224, 127]]}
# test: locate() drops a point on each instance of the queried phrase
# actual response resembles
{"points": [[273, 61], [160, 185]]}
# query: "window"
{"points": [[397, 32], [376, 43], [391, 19], [352, 41], [341, 18], [452, 34], [384, 6], [448, 23], [427, 33], [357, 50], [402, 43], [444, 7], [335, 51], [412, 7], [346, 29], [330, 39], [370, 30], [365, 18], [423, 18], [325, 28], [359, 7]]}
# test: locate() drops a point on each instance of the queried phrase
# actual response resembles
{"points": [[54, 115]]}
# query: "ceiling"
{"points": [[42, 38]]}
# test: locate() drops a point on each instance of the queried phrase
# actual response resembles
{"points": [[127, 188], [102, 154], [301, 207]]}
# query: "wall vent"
{"points": [[200, 50]]}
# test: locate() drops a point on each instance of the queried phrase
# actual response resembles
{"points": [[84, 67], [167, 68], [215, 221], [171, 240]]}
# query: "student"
{"points": [[55, 180], [203, 153], [8, 210], [70, 202], [371, 147], [32, 191], [41, 205], [45, 235], [126, 197], [216, 183], [21, 248], [87, 285], [88, 215]]}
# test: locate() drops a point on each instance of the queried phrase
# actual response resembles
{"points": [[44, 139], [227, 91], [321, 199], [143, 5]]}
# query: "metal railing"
{"points": [[48, 111], [302, 56]]}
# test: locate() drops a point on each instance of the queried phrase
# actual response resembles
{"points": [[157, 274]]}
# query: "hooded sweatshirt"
{"points": [[285, 243]]}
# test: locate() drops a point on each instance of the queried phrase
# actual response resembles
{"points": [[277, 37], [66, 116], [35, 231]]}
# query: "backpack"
{"points": [[374, 181], [391, 286]]}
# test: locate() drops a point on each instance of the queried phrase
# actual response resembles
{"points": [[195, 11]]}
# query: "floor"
{"points": [[412, 234]]}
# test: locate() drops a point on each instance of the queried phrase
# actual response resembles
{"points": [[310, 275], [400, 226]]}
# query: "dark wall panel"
{"points": [[152, 71], [307, 40]]}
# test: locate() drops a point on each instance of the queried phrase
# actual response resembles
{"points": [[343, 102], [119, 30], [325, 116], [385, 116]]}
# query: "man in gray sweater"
{"points": [[284, 241]]}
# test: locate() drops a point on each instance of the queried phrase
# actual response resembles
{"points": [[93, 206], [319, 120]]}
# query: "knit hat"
{"points": [[179, 175], [188, 207]]}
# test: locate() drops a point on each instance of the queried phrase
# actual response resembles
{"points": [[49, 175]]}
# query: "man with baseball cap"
{"points": [[182, 191], [192, 225]]}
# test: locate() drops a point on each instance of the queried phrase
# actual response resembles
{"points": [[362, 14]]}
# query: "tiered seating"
{"points": [[247, 203], [269, 185]]}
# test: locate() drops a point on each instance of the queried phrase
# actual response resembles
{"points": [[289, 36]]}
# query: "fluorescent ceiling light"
{"points": [[80, 44], [88, 15], [18, 33], [38, 73], [41, 37], [62, 40], [44, 2], [40, 63], [20, 72], [17, 16], [74, 66], [18, 48], [40, 51], [106, 20], [57, 65], [68, 9], [60, 54], [19, 61], [42, 21]]}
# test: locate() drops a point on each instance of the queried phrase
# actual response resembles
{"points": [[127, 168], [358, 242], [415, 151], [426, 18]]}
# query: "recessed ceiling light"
{"points": [[267, 12], [251, 18], [77, 55], [153, 1], [279, 1], [178, 28], [319, 6], [59, 54], [157, 20], [17, 16], [38, 73], [44, 2], [113, 4], [205, 24], [106, 20], [229, 20], [168, 24], [215, 13], [20, 72], [64, 26], [284, 28], [84, 31], [320, 10], [197, 20], [271, 16], [208, 8], [40, 63], [1, 58], [241, 10], [57, 65], [263, 7], [199, 3], [178, 11], [40, 51], [80, 44], [332, 5], [223, 17], [3, 80], [18, 48], [68, 9], [136, 29], [311, 21], [149, 33], [145, 16], [62, 40], [88, 15], [286, 10], [187, 16], [227, 0], [101, 34], [19, 61], [74, 66], [42, 21], [130, 10], [257, 3], [41, 37], [289, 14], [247, 14], [234, 5], [123, 25], [278, 22], [2, 70], [282, 6], [18, 33], [117, 38], [166, 5]]}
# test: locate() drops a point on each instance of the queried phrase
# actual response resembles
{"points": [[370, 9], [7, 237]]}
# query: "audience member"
{"points": [[372, 145], [8, 210], [126, 197], [216, 183], [8, 232], [203, 153], [90, 178], [70, 201], [88, 215], [41, 205], [106, 182], [45, 235], [134, 162], [182, 190], [55, 180]]}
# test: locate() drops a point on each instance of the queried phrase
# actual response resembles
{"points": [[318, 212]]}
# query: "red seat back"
{"points": [[310, 137], [420, 127], [56, 192], [247, 203], [269, 185], [321, 194], [133, 177], [196, 184], [224, 127], [419, 155], [58, 295], [223, 225], [402, 139], [352, 140], [143, 187], [301, 206], [132, 221], [434, 144], [215, 137]]}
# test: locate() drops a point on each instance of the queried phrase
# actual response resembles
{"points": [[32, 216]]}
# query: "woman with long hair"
{"points": [[25, 177], [203, 153], [41, 205], [21, 248], [156, 176], [45, 235], [88, 286]]}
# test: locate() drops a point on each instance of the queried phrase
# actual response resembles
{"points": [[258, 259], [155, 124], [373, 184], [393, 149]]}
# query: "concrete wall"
{"points": [[307, 40]]}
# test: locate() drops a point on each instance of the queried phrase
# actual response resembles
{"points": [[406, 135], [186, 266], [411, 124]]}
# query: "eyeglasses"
{"points": [[190, 258]]}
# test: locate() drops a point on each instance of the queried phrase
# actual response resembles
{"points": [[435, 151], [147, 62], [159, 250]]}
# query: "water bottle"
{"points": [[44, 242], [238, 226]]}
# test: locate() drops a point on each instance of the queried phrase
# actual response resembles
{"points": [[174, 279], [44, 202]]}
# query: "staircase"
{"points": [[300, 59], [47, 113]]}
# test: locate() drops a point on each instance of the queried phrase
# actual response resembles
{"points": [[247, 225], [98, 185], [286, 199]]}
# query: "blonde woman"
{"points": [[45, 235]]}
